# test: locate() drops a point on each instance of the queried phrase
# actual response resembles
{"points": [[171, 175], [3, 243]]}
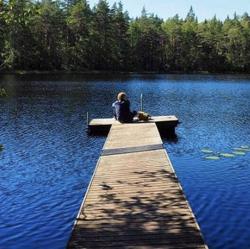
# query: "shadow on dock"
{"points": [[145, 219]]}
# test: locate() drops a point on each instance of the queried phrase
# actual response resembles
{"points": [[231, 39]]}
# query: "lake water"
{"points": [[48, 158]]}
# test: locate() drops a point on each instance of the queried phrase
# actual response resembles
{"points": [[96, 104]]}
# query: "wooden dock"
{"points": [[134, 199]]}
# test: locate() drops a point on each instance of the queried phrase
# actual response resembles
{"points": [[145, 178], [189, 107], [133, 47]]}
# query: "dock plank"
{"points": [[134, 199]]}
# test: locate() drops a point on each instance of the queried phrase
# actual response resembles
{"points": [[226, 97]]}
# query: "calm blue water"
{"points": [[48, 158]]}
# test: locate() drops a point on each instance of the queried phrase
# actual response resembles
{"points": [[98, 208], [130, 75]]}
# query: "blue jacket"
{"points": [[121, 111]]}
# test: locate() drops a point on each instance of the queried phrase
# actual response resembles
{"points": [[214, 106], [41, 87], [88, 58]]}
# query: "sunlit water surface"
{"points": [[48, 158]]}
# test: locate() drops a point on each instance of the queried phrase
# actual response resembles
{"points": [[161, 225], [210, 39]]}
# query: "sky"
{"points": [[204, 9]]}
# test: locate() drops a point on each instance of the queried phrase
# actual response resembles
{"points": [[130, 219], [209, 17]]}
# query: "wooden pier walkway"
{"points": [[134, 199]]}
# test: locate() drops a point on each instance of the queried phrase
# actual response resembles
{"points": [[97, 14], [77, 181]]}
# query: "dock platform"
{"points": [[164, 124], [134, 199]]}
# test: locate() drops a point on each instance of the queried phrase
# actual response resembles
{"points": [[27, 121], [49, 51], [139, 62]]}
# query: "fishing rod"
{"points": [[141, 100]]}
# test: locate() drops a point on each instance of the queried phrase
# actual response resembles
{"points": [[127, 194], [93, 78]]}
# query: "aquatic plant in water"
{"points": [[207, 151], [245, 147], [213, 155], [238, 148], [212, 158], [227, 155], [240, 153], [242, 150]]}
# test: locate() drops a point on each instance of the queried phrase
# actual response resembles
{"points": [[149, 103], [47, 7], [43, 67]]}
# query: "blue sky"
{"points": [[168, 8]]}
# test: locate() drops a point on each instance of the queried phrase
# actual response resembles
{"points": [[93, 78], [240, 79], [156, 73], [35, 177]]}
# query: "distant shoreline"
{"points": [[99, 72]]}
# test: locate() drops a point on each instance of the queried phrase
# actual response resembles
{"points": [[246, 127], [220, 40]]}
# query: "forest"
{"points": [[51, 35]]}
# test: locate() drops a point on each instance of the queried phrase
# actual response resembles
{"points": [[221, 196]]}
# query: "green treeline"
{"points": [[69, 35]]}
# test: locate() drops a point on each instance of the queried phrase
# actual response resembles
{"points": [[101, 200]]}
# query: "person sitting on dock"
{"points": [[121, 109]]}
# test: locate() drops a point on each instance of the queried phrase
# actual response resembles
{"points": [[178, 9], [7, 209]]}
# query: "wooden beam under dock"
{"points": [[134, 199]]}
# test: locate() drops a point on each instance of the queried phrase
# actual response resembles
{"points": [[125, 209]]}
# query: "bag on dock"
{"points": [[143, 116]]}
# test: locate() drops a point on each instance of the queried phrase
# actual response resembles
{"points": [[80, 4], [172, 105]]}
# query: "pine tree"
{"points": [[79, 47]]}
